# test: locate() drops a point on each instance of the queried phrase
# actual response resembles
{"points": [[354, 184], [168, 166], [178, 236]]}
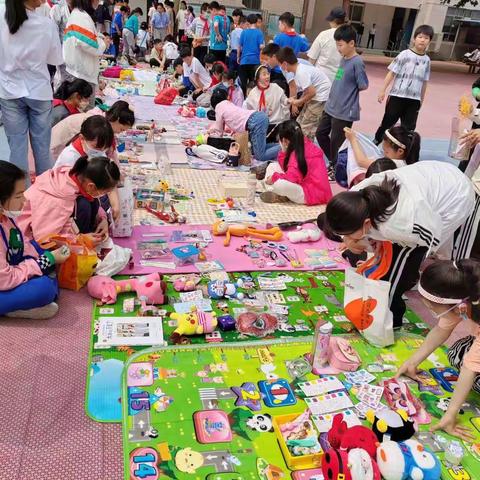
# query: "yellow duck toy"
{"points": [[220, 227], [193, 323]]}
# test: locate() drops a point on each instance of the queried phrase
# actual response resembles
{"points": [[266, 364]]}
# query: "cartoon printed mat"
{"points": [[306, 293], [164, 390]]}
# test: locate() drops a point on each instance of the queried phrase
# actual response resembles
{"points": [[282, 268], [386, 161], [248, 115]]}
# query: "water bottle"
{"points": [[323, 332], [252, 187]]}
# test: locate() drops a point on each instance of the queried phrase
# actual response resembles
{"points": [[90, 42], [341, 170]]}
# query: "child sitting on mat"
{"points": [[65, 200], [300, 174], [28, 286], [451, 290], [233, 89], [239, 120]]}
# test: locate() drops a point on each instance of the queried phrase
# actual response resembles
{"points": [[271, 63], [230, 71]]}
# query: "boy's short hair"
{"points": [[169, 38], [214, 5], [237, 13], [270, 49], [106, 35], [286, 54], [259, 17], [424, 30], [205, 6], [177, 62], [209, 58], [143, 26], [123, 8], [287, 18], [218, 69], [346, 33], [185, 52], [157, 41], [252, 19], [138, 10]]}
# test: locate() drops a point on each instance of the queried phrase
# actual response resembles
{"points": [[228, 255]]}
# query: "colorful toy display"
{"points": [[193, 323], [220, 227]]}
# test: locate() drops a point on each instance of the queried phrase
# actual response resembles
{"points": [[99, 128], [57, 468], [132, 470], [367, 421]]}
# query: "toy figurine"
{"points": [[150, 289], [172, 217], [194, 323], [185, 284], [222, 289], [220, 227], [394, 425]]}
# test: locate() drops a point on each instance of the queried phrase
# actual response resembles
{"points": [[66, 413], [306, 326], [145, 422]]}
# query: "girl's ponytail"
{"points": [[15, 15], [291, 131], [347, 211], [80, 166], [102, 171], [471, 271], [412, 155]]}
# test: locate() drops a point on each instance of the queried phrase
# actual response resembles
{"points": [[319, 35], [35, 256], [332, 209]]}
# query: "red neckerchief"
{"points": [[81, 190], [77, 145], [71, 110], [206, 26], [231, 89], [262, 103], [291, 33]]}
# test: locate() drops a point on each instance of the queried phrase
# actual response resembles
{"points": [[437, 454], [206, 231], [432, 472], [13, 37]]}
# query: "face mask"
{"points": [[226, 84], [82, 106], [92, 152], [12, 213]]}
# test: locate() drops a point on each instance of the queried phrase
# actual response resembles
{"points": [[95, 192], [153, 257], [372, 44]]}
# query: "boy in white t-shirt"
{"points": [[195, 71], [315, 87], [323, 53]]}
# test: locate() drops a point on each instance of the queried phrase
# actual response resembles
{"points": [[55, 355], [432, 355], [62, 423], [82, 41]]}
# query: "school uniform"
{"points": [[62, 110], [272, 101], [291, 39], [251, 41], [200, 28], [234, 45], [219, 47], [116, 30], [435, 212], [27, 273]]}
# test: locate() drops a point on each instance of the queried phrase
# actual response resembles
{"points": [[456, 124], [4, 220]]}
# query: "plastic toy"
{"points": [[185, 255], [150, 289], [220, 227], [184, 284], [212, 426], [260, 422], [277, 393], [226, 323], [172, 217], [311, 234], [256, 325], [222, 289], [407, 460], [391, 425], [447, 377], [248, 396], [193, 323], [344, 438]]}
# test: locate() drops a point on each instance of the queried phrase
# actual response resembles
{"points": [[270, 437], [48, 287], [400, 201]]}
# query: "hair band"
{"points": [[258, 69], [394, 140], [441, 300]]}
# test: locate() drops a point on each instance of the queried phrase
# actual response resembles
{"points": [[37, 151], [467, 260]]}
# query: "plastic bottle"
{"points": [[323, 332], [252, 187]]}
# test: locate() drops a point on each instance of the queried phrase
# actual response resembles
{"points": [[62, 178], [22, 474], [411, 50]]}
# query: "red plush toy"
{"points": [[343, 438]]}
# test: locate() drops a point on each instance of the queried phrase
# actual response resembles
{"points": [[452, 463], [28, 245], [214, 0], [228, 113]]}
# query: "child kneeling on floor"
{"points": [[28, 285], [451, 290], [300, 174]]}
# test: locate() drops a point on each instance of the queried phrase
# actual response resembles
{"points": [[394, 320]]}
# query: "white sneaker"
{"points": [[40, 313]]}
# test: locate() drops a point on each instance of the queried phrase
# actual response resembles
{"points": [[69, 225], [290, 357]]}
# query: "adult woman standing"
{"points": [[159, 24], [83, 45], [181, 20], [25, 90]]}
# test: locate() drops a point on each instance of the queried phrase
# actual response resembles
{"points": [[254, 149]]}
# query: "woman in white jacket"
{"points": [[269, 98], [83, 45], [421, 208]]}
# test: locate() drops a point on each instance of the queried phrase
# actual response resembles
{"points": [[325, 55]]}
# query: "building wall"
{"points": [[281, 6], [382, 16]]}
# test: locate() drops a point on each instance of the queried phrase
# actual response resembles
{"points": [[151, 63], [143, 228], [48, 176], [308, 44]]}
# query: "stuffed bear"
{"points": [[391, 425], [407, 460]]}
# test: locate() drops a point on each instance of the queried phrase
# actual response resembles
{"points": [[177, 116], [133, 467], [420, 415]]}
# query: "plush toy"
{"points": [[353, 465], [150, 289], [184, 284], [343, 438], [218, 289], [407, 460], [194, 323], [310, 234], [391, 425], [220, 227]]}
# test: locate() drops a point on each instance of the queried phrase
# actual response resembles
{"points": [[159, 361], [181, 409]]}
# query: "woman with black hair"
{"points": [[451, 290], [29, 42], [421, 208], [83, 45], [70, 98], [300, 174]]}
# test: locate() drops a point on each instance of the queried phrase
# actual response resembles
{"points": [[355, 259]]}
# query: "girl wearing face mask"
{"points": [[452, 292], [269, 98], [300, 174], [70, 98], [65, 200], [422, 208], [234, 91], [28, 285]]}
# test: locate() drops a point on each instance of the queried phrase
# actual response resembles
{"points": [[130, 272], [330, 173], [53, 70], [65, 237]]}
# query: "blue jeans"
{"points": [[24, 118], [37, 292], [232, 61], [257, 126]]}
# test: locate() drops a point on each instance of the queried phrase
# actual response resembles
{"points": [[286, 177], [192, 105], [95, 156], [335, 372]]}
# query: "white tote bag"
{"points": [[366, 300], [123, 227]]}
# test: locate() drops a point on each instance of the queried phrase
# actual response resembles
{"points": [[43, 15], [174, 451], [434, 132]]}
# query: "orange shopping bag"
{"points": [[80, 266]]}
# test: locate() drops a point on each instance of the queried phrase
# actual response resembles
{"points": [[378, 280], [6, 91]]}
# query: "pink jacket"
{"points": [[50, 205], [12, 276], [316, 186]]}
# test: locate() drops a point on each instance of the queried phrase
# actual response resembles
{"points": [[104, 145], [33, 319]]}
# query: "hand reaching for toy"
{"points": [[449, 425], [408, 370], [61, 255]]}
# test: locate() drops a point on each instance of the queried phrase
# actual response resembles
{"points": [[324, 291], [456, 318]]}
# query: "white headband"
{"points": [[435, 299], [394, 140]]}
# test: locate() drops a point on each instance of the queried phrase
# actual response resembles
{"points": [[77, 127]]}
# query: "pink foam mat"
{"points": [[232, 260]]}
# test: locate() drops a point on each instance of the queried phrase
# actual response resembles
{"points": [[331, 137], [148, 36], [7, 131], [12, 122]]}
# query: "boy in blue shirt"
{"points": [[249, 48], [117, 27], [343, 105], [235, 42], [288, 37], [219, 30], [109, 53]]}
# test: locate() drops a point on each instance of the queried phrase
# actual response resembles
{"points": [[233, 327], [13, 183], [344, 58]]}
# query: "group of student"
{"points": [[285, 103]]}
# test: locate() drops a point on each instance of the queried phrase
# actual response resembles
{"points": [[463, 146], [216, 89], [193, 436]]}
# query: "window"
{"points": [[253, 4], [355, 13]]}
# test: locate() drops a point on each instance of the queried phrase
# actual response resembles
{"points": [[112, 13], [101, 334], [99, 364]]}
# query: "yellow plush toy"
{"points": [[193, 323]]}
